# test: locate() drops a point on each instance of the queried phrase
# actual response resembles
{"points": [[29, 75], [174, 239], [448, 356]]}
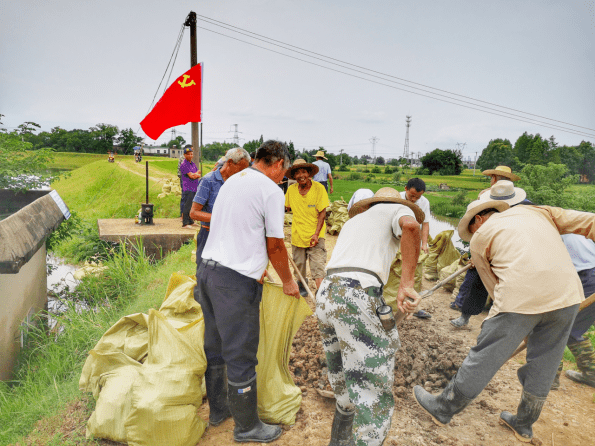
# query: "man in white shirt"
{"points": [[246, 231], [414, 191], [360, 352], [324, 175]]}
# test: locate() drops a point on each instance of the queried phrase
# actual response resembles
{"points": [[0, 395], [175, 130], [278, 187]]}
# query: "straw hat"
{"points": [[320, 154], [474, 208], [301, 164], [386, 195], [503, 171], [504, 190]]}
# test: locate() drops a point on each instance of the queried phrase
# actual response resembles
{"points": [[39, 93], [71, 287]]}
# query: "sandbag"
{"points": [[447, 271], [391, 288], [464, 261], [169, 187], [90, 268], [279, 399], [442, 253], [338, 217]]}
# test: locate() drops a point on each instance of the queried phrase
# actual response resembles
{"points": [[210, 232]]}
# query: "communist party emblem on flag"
{"points": [[180, 104]]}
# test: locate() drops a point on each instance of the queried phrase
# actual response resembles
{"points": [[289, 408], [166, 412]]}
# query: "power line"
{"points": [[269, 40], [485, 109]]}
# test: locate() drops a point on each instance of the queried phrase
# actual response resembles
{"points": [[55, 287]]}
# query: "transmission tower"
{"points": [[374, 140], [236, 136], [406, 151]]}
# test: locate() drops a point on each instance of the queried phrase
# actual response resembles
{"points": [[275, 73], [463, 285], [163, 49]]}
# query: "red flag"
{"points": [[180, 104]]}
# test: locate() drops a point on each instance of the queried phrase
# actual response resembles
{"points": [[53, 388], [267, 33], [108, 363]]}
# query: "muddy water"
{"points": [[439, 224]]}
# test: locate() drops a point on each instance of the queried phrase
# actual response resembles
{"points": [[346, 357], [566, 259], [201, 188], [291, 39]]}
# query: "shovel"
{"points": [[427, 293]]}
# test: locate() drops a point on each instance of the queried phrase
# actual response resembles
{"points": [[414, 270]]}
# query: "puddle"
{"points": [[439, 224]]}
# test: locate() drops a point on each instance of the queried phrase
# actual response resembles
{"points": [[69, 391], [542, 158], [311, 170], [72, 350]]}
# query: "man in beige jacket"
{"points": [[526, 268]]}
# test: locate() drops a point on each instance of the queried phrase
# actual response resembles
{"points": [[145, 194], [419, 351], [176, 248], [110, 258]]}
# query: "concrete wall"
{"points": [[21, 294], [23, 275], [11, 201]]}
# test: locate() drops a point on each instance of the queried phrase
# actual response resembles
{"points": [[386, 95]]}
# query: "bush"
{"points": [[366, 170], [354, 176], [460, 199], [375, 169], [370, 178], [343, 168], [388, 169]]}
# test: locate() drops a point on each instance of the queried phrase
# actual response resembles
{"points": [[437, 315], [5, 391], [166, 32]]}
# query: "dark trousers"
{"points": [[586, 318], [499, 338], [187, 197], [325, 184], [181, 199], [475, 295], [201, 241], [230, 304]]}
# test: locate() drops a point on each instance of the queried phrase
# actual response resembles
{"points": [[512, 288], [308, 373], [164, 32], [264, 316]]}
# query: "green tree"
{"points": [[178, 141], [127, 140], [252, 146], [445, 162], [103, 136], [380, 161], [20, 167], [497, 153], [587, 169], [394, 162], [547, 184]]}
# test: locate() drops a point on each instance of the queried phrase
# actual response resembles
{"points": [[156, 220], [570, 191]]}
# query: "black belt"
{"points": [[211, 263], [330, 272]]}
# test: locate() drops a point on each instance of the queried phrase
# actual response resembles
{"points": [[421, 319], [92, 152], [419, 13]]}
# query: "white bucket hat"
{"points": [[505, 191]]}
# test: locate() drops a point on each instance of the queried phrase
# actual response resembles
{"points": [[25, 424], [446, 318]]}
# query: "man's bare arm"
{"points": [[278, 255], [196, 213], [410, 241], [425, 232], [319, 223]]}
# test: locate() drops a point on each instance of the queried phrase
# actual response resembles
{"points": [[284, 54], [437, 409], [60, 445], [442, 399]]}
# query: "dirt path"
{"points": [[432, 350]]}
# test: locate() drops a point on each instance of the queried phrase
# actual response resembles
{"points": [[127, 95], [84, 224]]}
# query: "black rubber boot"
{"points": [[216, 384], [585, 361], [527, 414], [461, 321], [342, 430], [442, 407], [556, 383], [244, 409]]}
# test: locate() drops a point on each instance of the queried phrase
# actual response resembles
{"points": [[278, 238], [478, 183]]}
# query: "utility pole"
{"points": [[474, 163], [406, 150], [191, 22], [374, 140], [341, 159]]}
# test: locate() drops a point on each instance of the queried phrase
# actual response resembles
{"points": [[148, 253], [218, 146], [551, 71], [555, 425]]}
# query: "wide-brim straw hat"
{"points": [[320, 154], [504, 190], [386, 195], [503, 171], [474, 208], [302, 164]]}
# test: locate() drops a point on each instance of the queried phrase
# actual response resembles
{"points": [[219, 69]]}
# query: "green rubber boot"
{"points": [[556, 383], [527, 414], [585, 361]]}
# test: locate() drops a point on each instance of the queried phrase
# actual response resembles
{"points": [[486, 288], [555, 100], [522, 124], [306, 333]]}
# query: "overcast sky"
{"points": [[74, 64]]}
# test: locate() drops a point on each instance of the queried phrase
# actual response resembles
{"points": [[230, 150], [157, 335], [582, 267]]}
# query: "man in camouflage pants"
{"points": [[359, 351]]}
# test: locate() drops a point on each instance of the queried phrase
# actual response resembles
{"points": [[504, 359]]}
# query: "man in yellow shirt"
{"points": [[308, 200]]}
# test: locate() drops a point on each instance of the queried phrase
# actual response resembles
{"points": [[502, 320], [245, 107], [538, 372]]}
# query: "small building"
{"points": [[156, 151], [30, 218]]}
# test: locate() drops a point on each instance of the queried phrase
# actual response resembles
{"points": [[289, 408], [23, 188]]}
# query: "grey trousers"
{"points": [[499, 338]]}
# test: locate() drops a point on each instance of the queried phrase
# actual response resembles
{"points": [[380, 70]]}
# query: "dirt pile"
{"points": [[426, 358]]}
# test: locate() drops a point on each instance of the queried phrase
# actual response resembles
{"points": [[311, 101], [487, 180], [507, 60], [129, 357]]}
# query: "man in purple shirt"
{"points": [[190, 177]]}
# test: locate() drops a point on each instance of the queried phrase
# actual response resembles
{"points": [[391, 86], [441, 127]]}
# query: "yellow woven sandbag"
{"points": [[339, 216], [166, 396], [288, 220], [441, 254], [447, 271], [281, 316], [391, 288]]}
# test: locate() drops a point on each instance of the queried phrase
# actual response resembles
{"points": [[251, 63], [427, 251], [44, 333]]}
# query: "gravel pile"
{"points": [[426, 357]]}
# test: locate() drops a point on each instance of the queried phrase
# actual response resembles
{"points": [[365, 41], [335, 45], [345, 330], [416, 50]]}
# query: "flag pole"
{"points": [[191, 22]]}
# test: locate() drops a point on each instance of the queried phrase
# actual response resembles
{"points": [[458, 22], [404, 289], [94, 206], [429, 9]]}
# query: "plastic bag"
{"points": [[281, 316], [441, 254], [394, 279], [338, 217]]}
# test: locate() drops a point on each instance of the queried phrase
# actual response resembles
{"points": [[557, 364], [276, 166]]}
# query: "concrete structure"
{"points": [[23, 274], [164, 236], [156, 151]]}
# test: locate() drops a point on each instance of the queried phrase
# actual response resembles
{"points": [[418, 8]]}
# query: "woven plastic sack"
{"points": [[338, 217], [441, 254], [281, 316], [445, 272], [394, 279], [288, 219], [461, 277], [154, 403]]}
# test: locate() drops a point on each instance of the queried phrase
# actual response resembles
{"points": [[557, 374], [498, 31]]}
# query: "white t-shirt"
{"points": [[370, 240], [324, 170], [249, 208], [423, 204], [360, 194]]}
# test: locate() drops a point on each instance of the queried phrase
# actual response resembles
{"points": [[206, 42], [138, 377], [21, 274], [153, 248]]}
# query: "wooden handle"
{"points": [[301, 278]]}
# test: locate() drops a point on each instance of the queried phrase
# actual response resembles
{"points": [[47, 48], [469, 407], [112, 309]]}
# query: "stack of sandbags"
{"points": [[441, 254], [171, 186], [394, 279], [455, 283], [338, 216], [288, 219]]}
